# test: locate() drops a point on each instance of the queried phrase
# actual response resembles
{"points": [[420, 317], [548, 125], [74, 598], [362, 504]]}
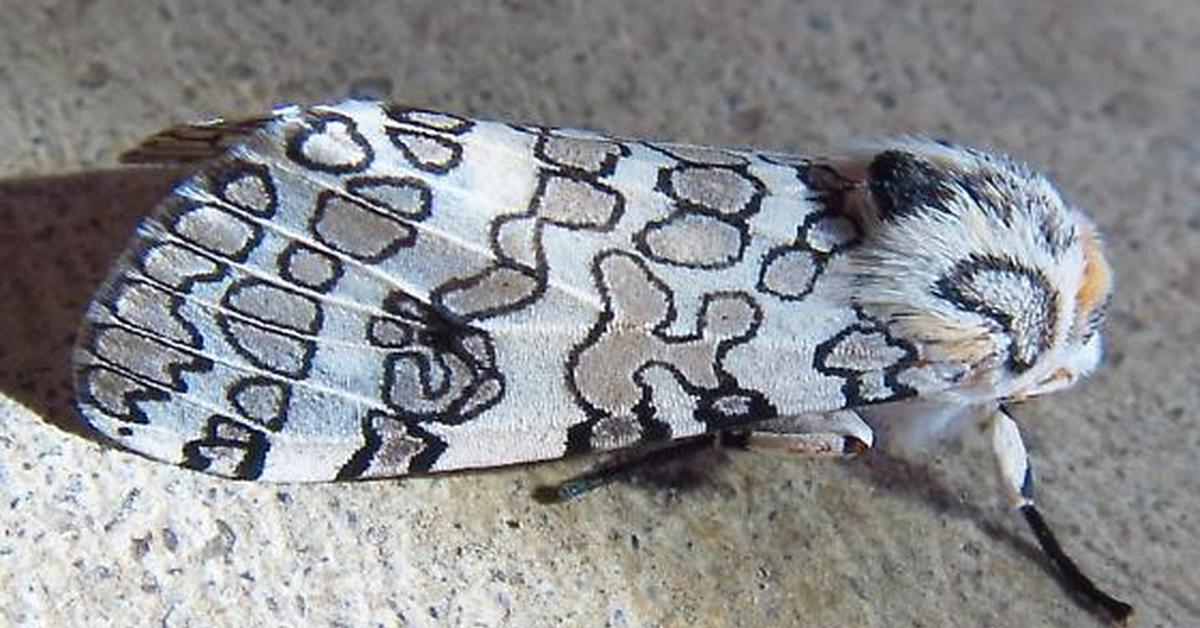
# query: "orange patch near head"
{"points": [[1097, 277]]}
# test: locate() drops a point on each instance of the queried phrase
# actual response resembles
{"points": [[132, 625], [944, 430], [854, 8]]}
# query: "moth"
{"points": [[364, 290]]}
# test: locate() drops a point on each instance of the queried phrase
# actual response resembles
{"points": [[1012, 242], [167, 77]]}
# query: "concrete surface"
{"points": [[1105, 95]]}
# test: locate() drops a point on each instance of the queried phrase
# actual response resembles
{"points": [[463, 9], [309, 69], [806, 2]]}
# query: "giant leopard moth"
{"points": [[364, 290]]}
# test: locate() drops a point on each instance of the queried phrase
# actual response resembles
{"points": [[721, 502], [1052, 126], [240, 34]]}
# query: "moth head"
{"points": [[980, 262]]}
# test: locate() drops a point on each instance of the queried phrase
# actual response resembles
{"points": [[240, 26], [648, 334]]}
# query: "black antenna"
{"points": [[1075, 580]]}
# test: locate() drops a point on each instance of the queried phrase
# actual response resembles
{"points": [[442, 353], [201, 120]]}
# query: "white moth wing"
{"points": [[361, 290]]}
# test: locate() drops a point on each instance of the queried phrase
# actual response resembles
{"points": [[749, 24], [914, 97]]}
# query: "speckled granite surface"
{"points": [[1103, 94]]}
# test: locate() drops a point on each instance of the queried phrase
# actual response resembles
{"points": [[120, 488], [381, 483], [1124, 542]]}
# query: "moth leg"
{"points": [[1016, 477], [828, 435], [833, 434], [620, 469]]}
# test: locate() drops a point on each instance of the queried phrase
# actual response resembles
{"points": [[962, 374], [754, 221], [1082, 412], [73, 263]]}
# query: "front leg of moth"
{"points": [[1016, 477], [827, 435], [1012, 461]]}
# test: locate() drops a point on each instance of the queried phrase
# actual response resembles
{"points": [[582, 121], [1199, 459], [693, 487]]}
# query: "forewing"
{"points": [[363, 291]]}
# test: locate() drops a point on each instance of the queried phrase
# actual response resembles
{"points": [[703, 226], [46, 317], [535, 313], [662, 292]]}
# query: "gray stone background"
{"points": [[1103, 94]]}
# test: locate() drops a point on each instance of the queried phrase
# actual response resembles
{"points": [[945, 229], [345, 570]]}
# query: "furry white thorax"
{"points": [[1029, 333]]}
